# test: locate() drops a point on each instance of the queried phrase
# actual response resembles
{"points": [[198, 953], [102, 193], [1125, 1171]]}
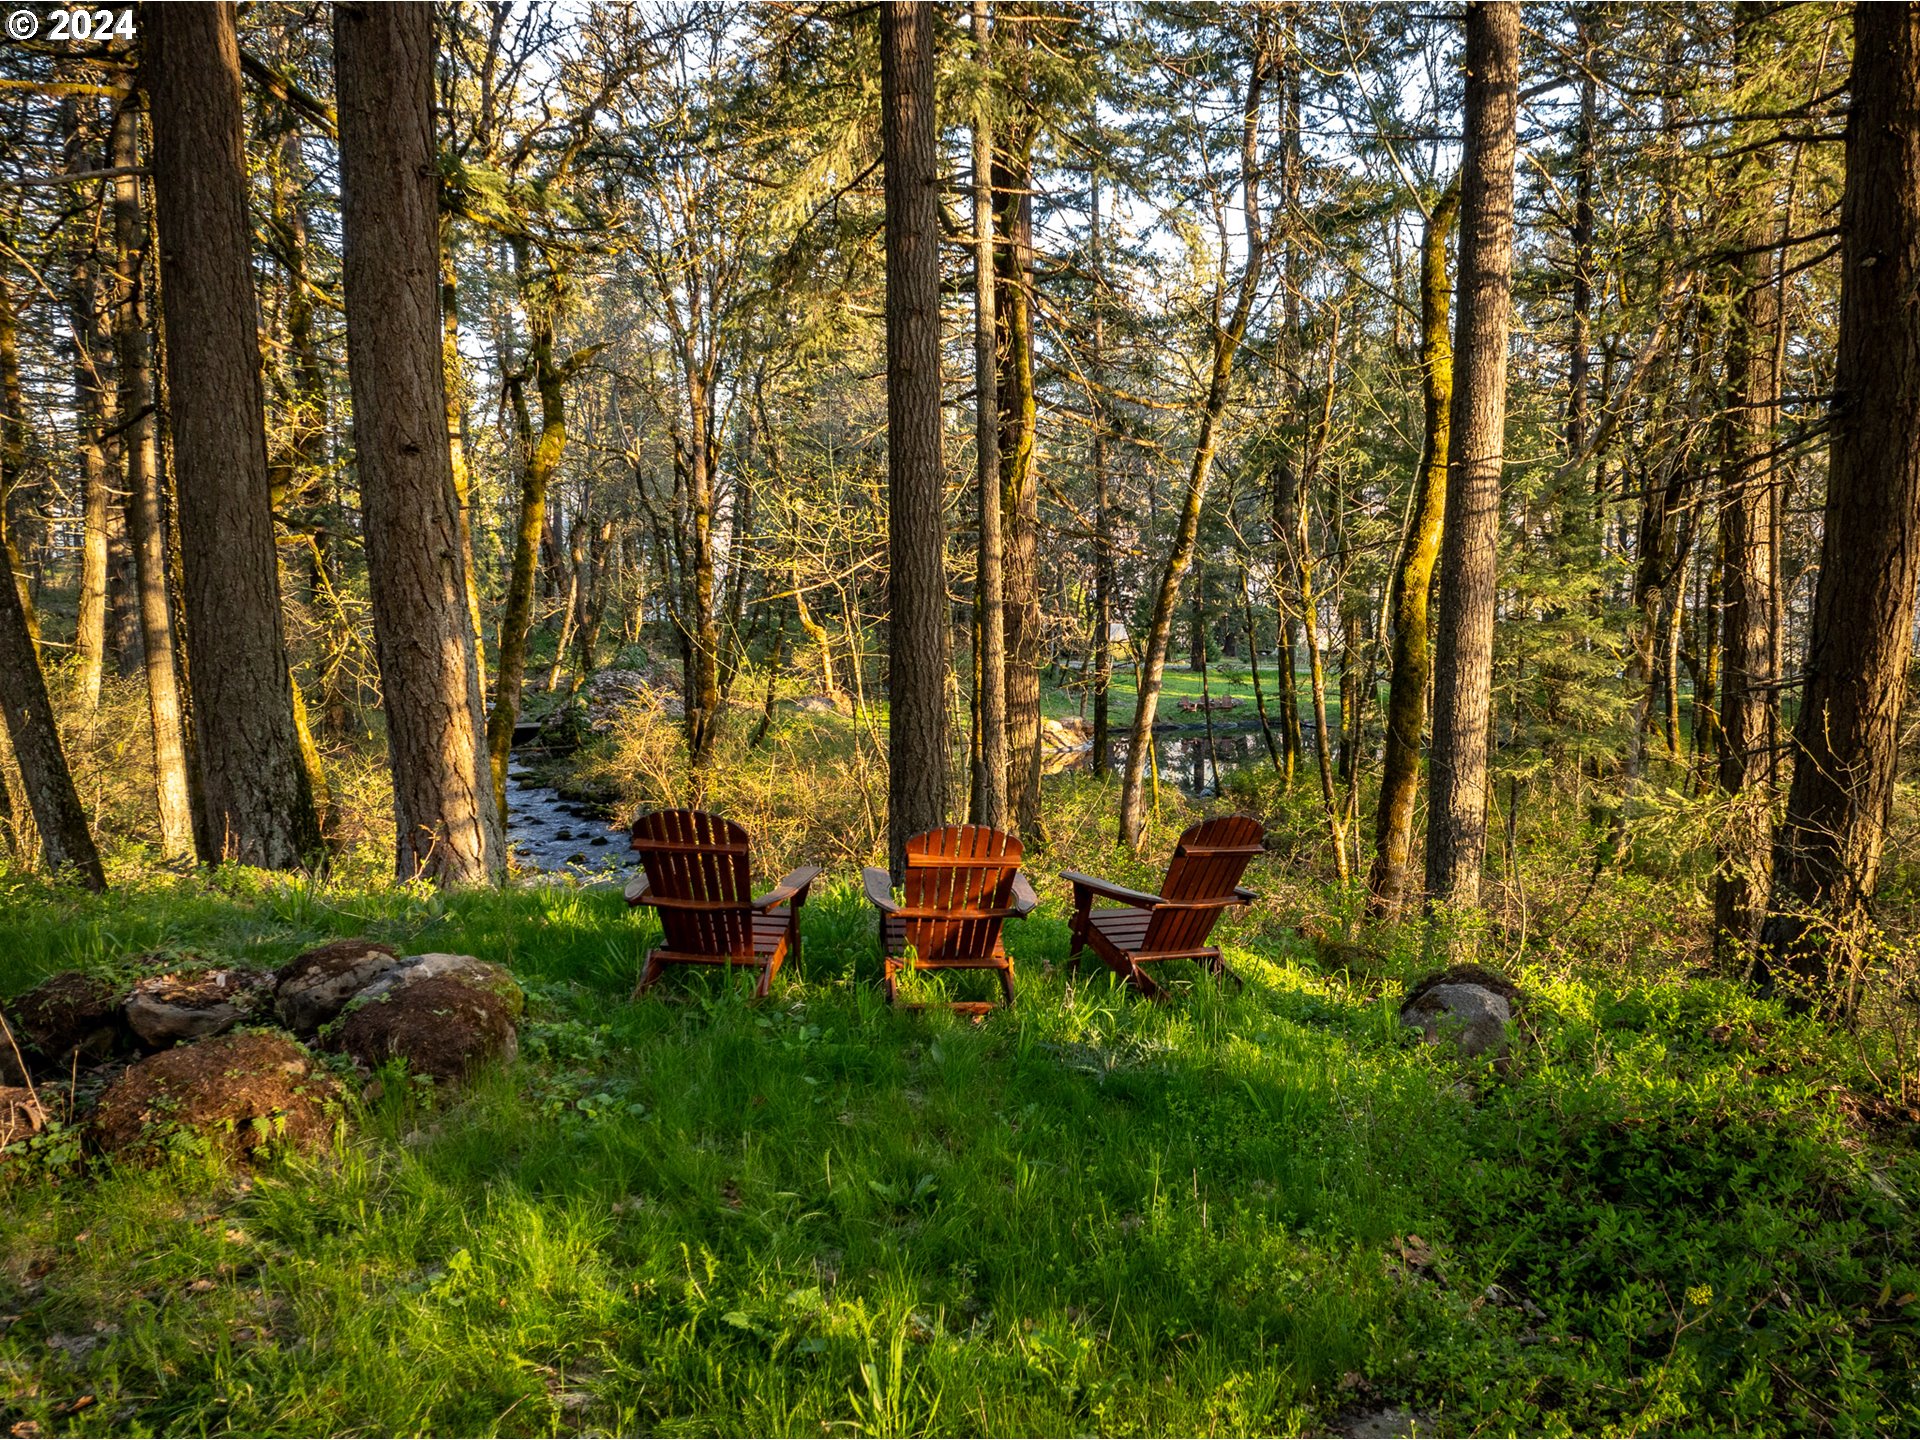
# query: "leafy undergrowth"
{"points": [[1263, 1211]]}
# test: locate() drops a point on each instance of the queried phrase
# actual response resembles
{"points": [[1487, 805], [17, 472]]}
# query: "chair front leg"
{"points": [[793, 928], [650, 973], [1082, 923]]}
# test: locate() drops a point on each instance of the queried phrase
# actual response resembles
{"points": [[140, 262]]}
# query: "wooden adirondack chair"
{"points": [[696, 877], [1202, 880], [962, 883]]}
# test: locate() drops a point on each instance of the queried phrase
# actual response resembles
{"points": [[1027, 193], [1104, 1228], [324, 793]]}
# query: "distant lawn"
{"points": [[1180, 683]]}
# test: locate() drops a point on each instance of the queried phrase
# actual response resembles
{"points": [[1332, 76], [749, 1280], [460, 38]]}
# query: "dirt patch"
{"points": [[442, 1026], [247, 1093], [74, 1013]]}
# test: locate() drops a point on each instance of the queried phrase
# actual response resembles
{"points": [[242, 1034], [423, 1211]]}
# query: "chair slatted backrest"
{"points": [[1206, 869], [958, 891], [696, 867]]}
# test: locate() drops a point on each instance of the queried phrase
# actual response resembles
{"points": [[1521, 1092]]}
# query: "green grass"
{"points": [[694, 1215], [1224, 678]]}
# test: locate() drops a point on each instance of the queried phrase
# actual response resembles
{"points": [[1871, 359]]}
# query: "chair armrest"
{"points": [[792, 887], [1140, 899], [879, 886], [1244, 895], [640, 890], [1023, 897]]}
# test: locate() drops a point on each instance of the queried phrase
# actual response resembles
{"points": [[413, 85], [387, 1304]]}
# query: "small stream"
{"points": [[547, 831]]}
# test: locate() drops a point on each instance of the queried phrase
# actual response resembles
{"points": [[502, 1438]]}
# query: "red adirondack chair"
{"points": [[962, 884], [696, 877], [1202, 881]]}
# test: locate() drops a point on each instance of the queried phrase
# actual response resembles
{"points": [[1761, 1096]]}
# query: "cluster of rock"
{"points": [[223, 1051], [607, 693]]}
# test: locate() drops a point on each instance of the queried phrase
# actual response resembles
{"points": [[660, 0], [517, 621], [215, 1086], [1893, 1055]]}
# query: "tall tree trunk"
{"points": [[1580, 340], [1306, 567], [13, 453], [1286, 478], [1412, 663], [1103, 506], [1226, 342], [92, 405], [1012, 175], [1746, 676], [64, 839], [1463, 660], [539, 462], [990, 688], [146, 513], [255, 789], [917, 639], [1827, 849], [447, 827], [457, 441]]}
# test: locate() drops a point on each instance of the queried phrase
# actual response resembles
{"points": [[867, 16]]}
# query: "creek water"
{"points": [[547, 831], [1183, 757]]}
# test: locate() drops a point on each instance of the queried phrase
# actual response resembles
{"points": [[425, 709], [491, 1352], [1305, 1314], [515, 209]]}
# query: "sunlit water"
{"points": [[546, 831]]}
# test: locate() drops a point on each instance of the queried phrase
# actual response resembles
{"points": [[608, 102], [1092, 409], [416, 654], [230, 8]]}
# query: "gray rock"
{"points": [[164, 1010], [315, 987], [1472, 1018], [418, 969]]}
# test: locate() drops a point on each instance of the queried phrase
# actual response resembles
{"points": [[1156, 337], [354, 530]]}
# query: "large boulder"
{"points": [[442, 1023], [469, 970], [74, 1016], [313, 988], [168, 1009], [1466, 1006], [1072, 734], [247, 1093]]}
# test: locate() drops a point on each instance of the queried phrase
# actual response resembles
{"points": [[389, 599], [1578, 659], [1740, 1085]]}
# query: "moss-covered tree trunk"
{"points": [[1411, 665]]}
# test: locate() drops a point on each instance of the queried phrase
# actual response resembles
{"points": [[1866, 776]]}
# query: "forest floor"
{"points": [[1677, 1209]]}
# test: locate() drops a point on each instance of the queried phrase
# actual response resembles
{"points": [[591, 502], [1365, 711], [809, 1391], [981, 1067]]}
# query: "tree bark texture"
{"points": [[446, 825], [146, 512], [991, 685], [1826, 857], [1463, 660], [255, 790], [65, 842], [1412, 660], [1012, 176], [92, 405], [917, 660], [1746, 643]]}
